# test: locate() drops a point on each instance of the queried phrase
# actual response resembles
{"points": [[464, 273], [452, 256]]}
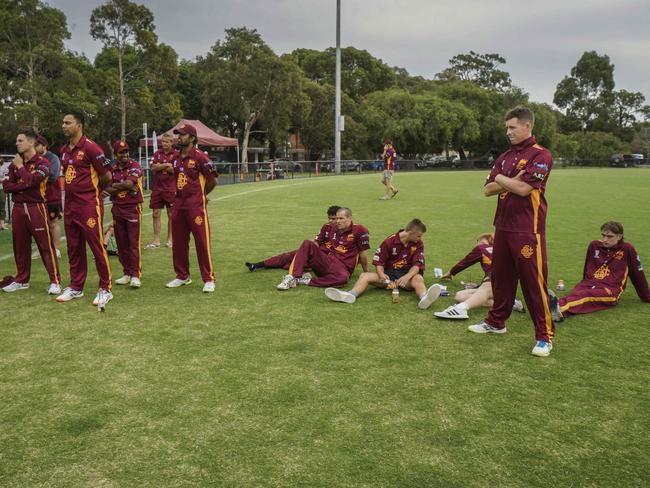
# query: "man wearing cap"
{"points": [[86, 172], [52, 192], [195, 178], [126, 194], [27, 179], [164, 188]]}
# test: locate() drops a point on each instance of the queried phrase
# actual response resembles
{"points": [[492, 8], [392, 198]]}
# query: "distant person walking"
{"points": [[389, 166]]}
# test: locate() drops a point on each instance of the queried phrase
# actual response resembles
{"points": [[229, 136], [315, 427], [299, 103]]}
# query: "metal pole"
{"points": [[337, 103]]}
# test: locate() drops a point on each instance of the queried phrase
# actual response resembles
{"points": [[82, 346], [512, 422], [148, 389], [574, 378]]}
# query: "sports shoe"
{"points": [[518, 306], [153, 245], [68, 294], [251, 266], [135, 282], [54, 289], [287, 282], [432, 295], [452, 313], [385, 197], [15, 286], [124, 280], [394, 193], [484, 328], [36, 255], [175, 283], [102, 297], [208, 287], [542, 349], [340, 295], [556, 314], [305, 279]]}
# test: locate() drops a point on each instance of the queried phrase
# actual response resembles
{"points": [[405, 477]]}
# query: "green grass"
{"points": [[253, 387]]}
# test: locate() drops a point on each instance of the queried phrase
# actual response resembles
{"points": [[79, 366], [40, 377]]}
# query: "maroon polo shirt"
{"points": [[523, 214], [192, 173], [164, 181], [611, 267], [131, 172], [346, 245], [323, 236], [389, 159], [83, 165], [482, 253], [393, 254], [28, 184]]}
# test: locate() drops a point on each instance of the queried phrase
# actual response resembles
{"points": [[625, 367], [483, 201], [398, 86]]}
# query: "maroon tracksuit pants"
{"points": [[127, 225], [185, 222], [280, 261], [329, 269], [521, 257], [30, 220], [84, 224], [586, 298]]}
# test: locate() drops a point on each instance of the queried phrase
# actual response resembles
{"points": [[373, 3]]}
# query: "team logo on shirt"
{"points": [[619, 255], [340, 248], [602, 272], [80, 156], [191, 163], [198, 220], [182, 181], [70, 174], [121, 194], [351, 237], [527, 251], [521, 163], [91, 222]]}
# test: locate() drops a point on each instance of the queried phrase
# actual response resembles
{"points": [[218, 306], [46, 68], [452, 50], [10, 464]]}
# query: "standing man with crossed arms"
{"points": [[164, 189], [86, 172], [126, 195], [195, 178], [27, 181], [519, 178]]}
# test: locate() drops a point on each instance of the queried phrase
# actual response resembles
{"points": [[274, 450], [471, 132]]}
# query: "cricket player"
{"points": [[164, 188]]}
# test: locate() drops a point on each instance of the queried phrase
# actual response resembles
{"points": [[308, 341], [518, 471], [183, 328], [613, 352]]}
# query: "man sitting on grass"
{"points": [[399, 262], [334, 262], [284, 260]]}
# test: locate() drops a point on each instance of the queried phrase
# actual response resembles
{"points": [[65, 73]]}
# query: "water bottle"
{"points": [[560, 285], [395, 295]]}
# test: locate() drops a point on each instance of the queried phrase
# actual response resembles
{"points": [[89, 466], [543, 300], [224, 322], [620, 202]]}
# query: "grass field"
{"points": [[254, 387]]}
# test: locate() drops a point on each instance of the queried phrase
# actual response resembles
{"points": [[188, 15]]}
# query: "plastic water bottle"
{"points": [[395, 295], [560, 285]]}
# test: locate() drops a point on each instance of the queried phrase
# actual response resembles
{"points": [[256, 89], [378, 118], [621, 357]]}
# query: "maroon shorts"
{"points": [[160, 199], [53, 211]]}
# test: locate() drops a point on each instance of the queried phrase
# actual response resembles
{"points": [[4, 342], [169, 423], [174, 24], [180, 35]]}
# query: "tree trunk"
{"points": [[122, 96], [252, 118]]}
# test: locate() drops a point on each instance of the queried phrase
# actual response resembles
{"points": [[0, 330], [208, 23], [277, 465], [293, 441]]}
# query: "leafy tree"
{"points": [[31, 55], [480, 69], [120, 25], [587, 93], [566, 146], [598, 145], [627, 106]]}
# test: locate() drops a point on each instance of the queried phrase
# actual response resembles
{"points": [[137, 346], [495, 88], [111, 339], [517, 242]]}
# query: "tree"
{"points": [[598, 145], [121, 24], [243, 81], [31, 55], [626, 106], [586, 94], [480, 69]]}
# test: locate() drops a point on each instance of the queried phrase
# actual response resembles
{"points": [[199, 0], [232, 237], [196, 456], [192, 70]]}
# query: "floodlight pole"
{"points": [[337, 103]]}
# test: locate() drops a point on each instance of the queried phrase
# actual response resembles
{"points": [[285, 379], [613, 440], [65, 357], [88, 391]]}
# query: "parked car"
{"points": [[431, 162], [625, 160], [347, 166], [377, 165]]}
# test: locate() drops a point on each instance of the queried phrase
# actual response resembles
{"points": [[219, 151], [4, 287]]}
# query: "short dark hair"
{"points": [[331, 211], [28, 132], [612, 226], [415, 224], [78, 116], [521, 113], [345, 210]]}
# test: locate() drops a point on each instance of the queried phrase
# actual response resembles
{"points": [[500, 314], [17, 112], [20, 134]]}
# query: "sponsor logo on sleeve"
{"points": [[539, 176]]}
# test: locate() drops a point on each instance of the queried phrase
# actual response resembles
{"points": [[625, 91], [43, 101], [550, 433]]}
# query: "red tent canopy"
{"points": [[207, 137]]}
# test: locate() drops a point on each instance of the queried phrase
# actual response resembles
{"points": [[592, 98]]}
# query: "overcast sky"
{"points": [[541, 41]]}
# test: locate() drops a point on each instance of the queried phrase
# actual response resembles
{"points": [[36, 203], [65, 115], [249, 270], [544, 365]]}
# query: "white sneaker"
{"points": [[135, 282], [68, 294], [36, 255], [58, 253], [124, 280], [287, 282], [305, 279], [340, 295], [432, 295], [15, 286], [542, 349], [485, 328], [452, 313], [518, 306], [54, 289], [102, 297], [175, 283], [208, 287]]}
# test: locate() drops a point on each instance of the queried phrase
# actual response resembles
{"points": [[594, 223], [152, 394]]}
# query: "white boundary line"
{"points": [[224, 197]]}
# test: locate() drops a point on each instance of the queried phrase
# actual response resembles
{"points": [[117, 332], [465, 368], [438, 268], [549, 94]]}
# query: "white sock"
{"points": [[461, 307]]}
